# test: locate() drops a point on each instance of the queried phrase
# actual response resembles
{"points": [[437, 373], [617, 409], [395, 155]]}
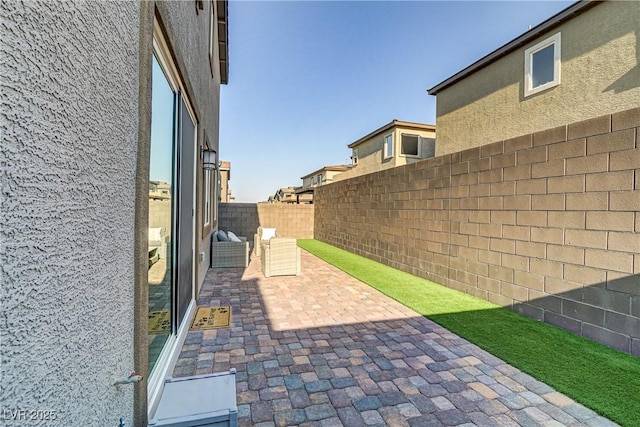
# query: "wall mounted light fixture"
{"points": [[208, 156]]}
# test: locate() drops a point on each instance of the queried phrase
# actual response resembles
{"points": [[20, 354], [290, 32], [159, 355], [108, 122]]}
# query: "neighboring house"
{"points": [[288, 195], [225, 177], [394, 144], [92, 94], [323, 176], [579, 64]]}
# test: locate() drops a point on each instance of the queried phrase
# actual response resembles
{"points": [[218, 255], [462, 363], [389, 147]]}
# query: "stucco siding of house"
{"points": [[69, 125], [600, 74]]}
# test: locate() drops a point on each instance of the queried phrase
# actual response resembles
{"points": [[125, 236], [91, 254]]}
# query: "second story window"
{"points": [[542, 65], [410, 146], [388, 146], [319, 179]]}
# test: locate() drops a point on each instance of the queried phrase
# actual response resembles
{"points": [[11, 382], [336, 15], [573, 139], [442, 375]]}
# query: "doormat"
{"points": [[212, 318], [159, 322]]}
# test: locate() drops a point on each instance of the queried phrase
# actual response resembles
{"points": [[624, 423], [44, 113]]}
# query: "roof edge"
{"points": [[392, 124], [559, 18]]}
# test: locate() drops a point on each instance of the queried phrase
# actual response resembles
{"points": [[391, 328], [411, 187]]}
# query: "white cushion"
{"points": [[233, 237], [156, 234], [268, 233]]}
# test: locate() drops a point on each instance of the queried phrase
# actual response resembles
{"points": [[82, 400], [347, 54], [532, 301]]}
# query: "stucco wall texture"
{"points": [[546, 224], [600, 74], [69, 134]]}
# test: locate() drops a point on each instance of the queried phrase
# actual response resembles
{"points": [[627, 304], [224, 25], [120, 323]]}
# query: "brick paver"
{"points": [[323, 349]]}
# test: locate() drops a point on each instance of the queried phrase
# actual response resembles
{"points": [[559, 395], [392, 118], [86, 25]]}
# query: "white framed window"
{"points": [[542, 65], [388, 146], [319, 179], [410, 145], [354, 156]]}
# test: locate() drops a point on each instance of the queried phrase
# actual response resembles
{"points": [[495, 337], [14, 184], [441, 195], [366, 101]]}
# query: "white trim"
{"points": [[413, 156], [169, 357], [385, 155], [554, 41], [207, 197]]}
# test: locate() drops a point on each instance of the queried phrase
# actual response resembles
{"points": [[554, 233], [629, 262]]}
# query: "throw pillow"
{"points": [[232, 236], [268, 233], [222, 236]]}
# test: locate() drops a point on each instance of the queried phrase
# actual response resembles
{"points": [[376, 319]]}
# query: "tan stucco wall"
{"points": [[370, 153], [600, 74]]}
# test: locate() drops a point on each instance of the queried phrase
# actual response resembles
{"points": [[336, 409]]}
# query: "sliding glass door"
{"points": [[162, 200]]}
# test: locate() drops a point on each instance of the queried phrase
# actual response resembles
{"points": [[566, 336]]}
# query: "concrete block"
{"points": [[608, 300], [532, 186], [627, 242], [491, 150], [605, 336], [503, 160], [489, 176], [502, 245], [537, 218], [590, 202], [517, 173], [546, 169], [609, 260], [567, 219], [584, 275], [566, 184], [515, 232], [507, 188], [586, 238], [566, 254], [550, 136], [518, 143], [529, 310], [545, 267], [595, 126], [547, 235], [504, 274], [588, 164], [610, 181], [529, 280], [514, 292], [532, 155], [609, 142], [564, 322], [583, 312], [516, 262], [548, 202], [624, 160], [531, 249], [562, 287], [622, 282], [568, 149], [522, 202], [545, 301], [625, 201], [614, 221], [625, 119]]}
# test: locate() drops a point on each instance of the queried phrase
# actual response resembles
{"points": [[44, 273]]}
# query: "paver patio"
{"points": [[324, 349]]}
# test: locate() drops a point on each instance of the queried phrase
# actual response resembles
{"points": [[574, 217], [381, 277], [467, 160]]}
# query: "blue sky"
{"points": [[307, 78]]}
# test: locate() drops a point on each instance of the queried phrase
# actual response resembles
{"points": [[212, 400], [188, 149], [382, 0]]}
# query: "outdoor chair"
{"points": [[263, 234], [228, 253], [281, 257]]}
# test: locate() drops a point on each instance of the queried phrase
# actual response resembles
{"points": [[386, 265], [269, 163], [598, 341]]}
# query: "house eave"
{"points": [[551, 23], [389, 126], [223, 40]]}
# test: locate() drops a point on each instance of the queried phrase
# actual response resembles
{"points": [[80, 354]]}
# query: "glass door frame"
{"points": [[171, 350]]}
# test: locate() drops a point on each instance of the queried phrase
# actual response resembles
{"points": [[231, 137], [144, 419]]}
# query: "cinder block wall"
{"points": [[546, 224], [290, 220]]}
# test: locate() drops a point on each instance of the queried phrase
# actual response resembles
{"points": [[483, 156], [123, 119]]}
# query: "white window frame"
{"points": [[385, 148], [319, 179], [554, 40], [354, 156], [415, 156]]}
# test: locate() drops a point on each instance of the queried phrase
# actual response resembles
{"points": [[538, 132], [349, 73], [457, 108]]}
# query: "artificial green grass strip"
{"points": [[599, 377]]}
